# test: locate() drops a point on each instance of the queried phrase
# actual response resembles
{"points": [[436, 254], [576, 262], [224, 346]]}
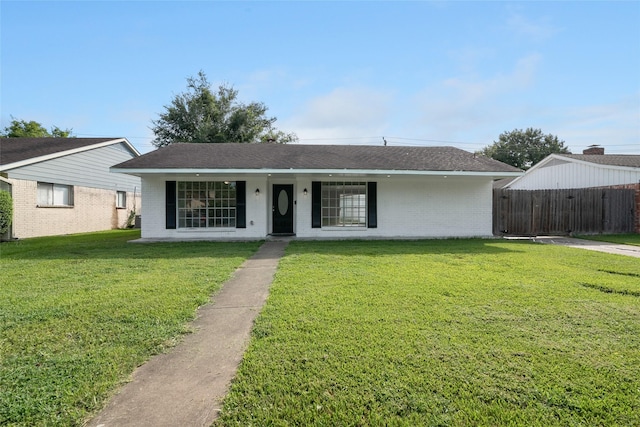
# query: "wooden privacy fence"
{"points": [[551, 212]]}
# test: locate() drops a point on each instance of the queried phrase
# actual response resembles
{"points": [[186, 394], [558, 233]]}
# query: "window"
{"points": [[121, 199], [209, 204], [54, 194], [344, 204]]}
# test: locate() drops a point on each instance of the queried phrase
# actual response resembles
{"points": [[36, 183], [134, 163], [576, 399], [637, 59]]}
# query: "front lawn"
{"points": [[623, 239], [455, 333], [79, 313]]}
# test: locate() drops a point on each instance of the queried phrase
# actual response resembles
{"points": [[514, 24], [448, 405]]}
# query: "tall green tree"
{"points": [[524, 149], [203, 115], [33, 129]]}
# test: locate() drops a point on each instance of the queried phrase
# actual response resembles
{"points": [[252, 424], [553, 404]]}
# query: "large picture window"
{"points": [[54, 194], [344, 204], [203, 204]]}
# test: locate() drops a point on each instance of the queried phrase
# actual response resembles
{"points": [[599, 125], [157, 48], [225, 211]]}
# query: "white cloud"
{"points": [[270, 80], [458, 104], [615, 126], [535, 31], [345, 112]]}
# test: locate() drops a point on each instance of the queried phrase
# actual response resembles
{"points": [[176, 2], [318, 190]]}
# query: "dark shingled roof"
{"points": [[297, 156], [626, 160], [14, 150]]}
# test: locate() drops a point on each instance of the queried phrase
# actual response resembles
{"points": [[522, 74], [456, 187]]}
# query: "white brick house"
{"points": [[251, 191], [63, 185]]}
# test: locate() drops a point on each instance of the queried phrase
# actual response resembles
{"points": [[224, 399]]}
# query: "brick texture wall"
{"points": [[407, 208], [93, 210]]}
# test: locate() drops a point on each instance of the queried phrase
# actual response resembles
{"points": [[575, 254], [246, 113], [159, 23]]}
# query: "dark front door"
{"points": [[282, 209]]}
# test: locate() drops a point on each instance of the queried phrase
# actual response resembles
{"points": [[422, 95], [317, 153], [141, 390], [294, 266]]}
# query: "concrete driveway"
{"points": [[592, 245]]}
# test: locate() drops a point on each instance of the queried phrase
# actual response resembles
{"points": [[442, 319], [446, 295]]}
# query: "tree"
{"points": [[32, 129], [524, 149], [200, 115]]}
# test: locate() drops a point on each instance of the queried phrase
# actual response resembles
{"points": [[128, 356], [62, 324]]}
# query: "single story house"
{"points": [[63, 185], [251, 191]]}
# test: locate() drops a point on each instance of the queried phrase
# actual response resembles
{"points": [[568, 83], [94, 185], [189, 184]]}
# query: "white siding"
{"points": [[408, 207], [557, 175], [86, 169]]}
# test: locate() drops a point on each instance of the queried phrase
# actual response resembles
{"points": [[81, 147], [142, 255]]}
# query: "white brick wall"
{"points": [[408, 207], [153, 223], [93, 210], [415, 208]]}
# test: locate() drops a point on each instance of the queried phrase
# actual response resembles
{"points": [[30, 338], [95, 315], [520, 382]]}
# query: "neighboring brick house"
{"points": [[250, 191], [63, 185]]}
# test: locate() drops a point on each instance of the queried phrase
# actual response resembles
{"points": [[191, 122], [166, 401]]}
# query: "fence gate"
{"points": [[551, 212]]}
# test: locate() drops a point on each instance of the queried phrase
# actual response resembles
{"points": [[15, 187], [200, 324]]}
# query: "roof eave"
{"points": [[191, 171]]}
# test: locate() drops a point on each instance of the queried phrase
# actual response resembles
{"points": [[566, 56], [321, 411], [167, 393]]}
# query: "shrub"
{"points": [[6, 211]]}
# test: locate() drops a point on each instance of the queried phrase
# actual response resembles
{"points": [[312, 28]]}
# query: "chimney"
{"points": [[594, 149]]}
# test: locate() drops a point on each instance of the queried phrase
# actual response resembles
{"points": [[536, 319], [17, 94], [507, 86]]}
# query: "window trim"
{"points": [[371, 201], [344, 209], [51, 195], [124, 198], [211, 214]]}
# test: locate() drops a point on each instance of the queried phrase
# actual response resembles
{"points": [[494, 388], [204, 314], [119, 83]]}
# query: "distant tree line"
{"points": [[32, 129]]}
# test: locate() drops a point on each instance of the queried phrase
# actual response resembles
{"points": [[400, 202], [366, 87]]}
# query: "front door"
{"points": [[282, 209]]}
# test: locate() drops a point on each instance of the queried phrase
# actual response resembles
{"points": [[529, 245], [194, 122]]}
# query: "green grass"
{"points": [[79, 313], [623, 239], [455, 333]]}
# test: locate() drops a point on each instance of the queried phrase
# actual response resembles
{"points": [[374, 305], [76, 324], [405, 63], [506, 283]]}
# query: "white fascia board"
{"points": [[535, 167], [33, 160], [337, 172], [129, 145]]}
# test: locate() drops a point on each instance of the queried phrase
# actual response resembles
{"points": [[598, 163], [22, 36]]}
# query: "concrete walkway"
{"points": [[591, 245], [185, 386]]}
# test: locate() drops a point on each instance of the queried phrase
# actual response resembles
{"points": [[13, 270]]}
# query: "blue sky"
{"points": [[416, 73]]}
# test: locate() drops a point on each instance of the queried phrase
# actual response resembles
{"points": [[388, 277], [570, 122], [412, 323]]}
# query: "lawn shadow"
{"points": [[83, 247], [114, 245], [403, 247]]}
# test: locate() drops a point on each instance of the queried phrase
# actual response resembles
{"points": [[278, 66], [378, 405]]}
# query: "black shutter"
{"points": [[241, 204], [170, 205], [372, 205], [316, 204]]}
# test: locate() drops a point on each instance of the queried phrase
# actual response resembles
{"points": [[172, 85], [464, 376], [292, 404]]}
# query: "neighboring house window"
{"points": [[121, 199], [344, 204], [206, 204], [55, 194]]}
